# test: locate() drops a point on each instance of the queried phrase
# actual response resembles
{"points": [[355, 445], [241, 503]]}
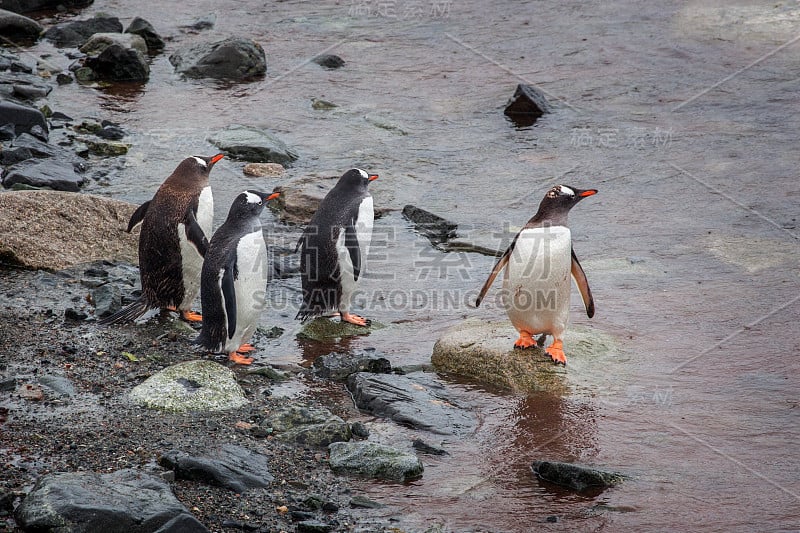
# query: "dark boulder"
{"points": [[526, 106], [28, 6], [232, 467], [17, 28], [22, 117], [329, 61], [118, 63], [338, 366], [145, 30], [49, 173], [24, 91], [75, 34], [232, 58], [125, 501]]}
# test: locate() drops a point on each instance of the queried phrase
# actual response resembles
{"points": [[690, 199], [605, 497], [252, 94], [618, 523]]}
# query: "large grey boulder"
{"points": [[232, 58], [373, 460], [48, 173], [16, 27], [417, 400], [190, 386], [55, 230], [125, 501], [252, 144]]}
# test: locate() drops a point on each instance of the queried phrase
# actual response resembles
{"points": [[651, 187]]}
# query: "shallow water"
{"points": [[691, 247]]}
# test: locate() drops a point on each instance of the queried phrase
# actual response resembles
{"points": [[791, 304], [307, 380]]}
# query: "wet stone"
{"points": [[264, 170], [60, 385], [145, 30], [313, 526], [107, 300], [373, 460], [75, 34], [203, 23], [15, 27], [55, 175], [232, 467], [423, 447], [22, 117], [417, 400], [362, 502], [321, 329], [252, 144], [125, 501], [119, 63], [183, 523], [232, 58], [526, 106], [575, 477]]}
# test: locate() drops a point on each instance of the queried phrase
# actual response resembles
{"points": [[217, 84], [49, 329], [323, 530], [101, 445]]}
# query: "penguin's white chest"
{"points": [[536, 284], [249, 286], [191, 260], [363, 227]]}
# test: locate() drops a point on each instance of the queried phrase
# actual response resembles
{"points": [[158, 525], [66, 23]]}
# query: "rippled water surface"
{"points": [[684, 116]]}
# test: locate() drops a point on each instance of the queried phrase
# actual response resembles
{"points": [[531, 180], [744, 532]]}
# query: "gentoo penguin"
{"points": [[234, 279], [173, 241], [334, 246], [537, 267]]}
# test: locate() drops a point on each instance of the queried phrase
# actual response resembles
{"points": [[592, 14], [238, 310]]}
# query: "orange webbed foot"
{"points": [[355, 319], [524, 341], [556, 353], [240, 359], [246, 348], [191, 316]]}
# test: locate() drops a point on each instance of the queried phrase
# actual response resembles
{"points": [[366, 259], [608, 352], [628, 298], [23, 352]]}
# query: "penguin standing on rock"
{"points": [[334, 248], [538, 265], [234, 279], [173, 241]]}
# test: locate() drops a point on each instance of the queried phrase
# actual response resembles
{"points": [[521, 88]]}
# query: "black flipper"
{"points": [[138, 216], [583, 285], [126, 314], [501, 263], [351, 243], [229, 275], [194, 233]]}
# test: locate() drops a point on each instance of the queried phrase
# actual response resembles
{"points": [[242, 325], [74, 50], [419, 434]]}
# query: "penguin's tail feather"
{"points": [[127, 314]]}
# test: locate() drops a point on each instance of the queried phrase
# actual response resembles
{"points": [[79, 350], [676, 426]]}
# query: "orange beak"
{"points": [[273, 196], [373, 177], [217, 158], [588, 192]]}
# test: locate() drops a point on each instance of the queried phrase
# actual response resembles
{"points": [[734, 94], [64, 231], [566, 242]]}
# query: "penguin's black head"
{"points": [[198, 165], [250, 204], [356, 178], [563, 196]]}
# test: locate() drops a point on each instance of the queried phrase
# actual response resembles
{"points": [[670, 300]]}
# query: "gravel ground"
{"points": [[96, 429]]}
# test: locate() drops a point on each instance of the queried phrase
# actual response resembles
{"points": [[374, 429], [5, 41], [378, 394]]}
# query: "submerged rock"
{"points": [[321, 329], [190, 386], [264, 170], [416, 400], [300, 199], [372, 460], [526, 106], [308, 426], [576, 477], [75, 34], [232, 58], [125, 501], [252, 144], [329, 61], [15, 27], [484, 351], [120, 62], [434, 227], [146, 31], [232, 467]]}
